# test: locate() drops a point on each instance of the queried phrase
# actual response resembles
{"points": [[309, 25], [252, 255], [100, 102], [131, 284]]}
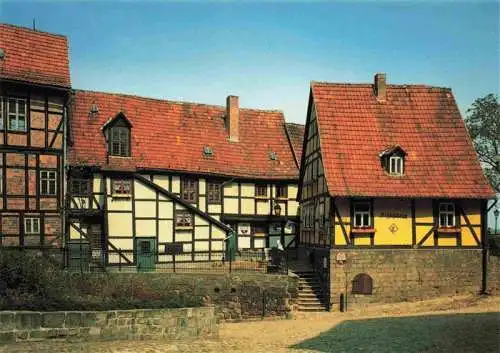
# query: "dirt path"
{"points": [[271, 336]]}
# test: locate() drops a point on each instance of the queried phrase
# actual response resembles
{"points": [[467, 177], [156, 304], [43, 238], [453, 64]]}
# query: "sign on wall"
{"points": [[244, 229]]}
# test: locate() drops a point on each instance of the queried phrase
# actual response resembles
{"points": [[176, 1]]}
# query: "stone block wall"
{"points": [[103, 325], [407, 274], [494, 275]]}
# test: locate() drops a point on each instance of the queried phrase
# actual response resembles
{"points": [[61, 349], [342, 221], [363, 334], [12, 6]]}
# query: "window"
{"points": [[214, 193], [281, 191], [1, 179], [16, 113], [183, 219], [119, 141], [189, 190], [48, 182], [261, 190], [362, 214], [32, 225], [122, 187], [447, 214], [321, 218], [80, 187], [396, 165]]}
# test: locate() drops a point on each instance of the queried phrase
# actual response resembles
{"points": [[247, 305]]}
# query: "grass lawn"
{"points": [[436, 333]]}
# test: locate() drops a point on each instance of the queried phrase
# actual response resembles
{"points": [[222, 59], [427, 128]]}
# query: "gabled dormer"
{"points": [[118, 136], [392, 160]]}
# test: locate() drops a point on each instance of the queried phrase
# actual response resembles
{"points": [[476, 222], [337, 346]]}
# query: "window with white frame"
{"points": [[447, 214], [362, 214], [48, 182], [16, 113], [396, 165], [32, 225]]}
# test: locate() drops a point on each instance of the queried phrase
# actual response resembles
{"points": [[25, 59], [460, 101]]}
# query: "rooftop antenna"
{"points": [[34, 24]]}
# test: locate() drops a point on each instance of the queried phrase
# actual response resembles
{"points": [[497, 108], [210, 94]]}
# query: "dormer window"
{"points": [[396, 165], [393, 160], [119, 142], [118, 136]]}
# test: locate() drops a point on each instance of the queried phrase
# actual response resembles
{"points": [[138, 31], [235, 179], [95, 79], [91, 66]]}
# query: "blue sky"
{"points": [[268, 52]]}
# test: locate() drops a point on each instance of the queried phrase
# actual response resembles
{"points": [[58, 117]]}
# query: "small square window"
{"points": [[122, 187], [183, 219], [80, 187], [261, 190], [32, 225]]}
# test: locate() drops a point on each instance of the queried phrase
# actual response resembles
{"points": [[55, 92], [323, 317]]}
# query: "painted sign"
{"points": [[244, 229], [394, 214]]}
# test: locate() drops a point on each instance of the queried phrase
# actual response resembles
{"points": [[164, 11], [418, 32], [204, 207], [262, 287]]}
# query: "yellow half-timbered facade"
{"points": [[389, 168]]}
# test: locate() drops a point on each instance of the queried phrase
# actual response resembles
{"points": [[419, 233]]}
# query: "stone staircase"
{"points": [[310, 298]]}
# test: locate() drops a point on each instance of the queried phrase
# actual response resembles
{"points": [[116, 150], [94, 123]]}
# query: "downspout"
{"points": [[484, 236], [65, 166]]}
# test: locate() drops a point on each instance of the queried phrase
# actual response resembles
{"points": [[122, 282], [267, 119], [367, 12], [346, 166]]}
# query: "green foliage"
{"points": [[29, 282], [483, 123]]}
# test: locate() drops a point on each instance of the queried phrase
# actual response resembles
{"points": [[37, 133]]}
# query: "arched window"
{"points": [[362, 284]]}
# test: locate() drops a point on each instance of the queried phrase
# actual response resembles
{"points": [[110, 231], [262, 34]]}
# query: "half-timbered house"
{"points": [[391, 192], [148, 176], [34, 88]]}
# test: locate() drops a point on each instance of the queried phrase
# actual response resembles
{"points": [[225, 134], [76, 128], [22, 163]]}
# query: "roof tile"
{"points": [[424, 121]]}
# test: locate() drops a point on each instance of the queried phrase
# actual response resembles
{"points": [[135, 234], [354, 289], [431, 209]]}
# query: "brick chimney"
{"points": [[380, 87], [233, 117]]}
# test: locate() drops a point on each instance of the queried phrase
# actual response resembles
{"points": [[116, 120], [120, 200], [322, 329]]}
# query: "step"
{"points": [[308, 286], [312, 301], [310, 295], [315, 309]]}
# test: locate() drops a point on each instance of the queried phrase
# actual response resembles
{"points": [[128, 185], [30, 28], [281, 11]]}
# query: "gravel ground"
{"points": [[271, 336]]}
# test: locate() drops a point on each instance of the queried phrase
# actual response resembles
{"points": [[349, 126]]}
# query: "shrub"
{"points": [[28, 281]]}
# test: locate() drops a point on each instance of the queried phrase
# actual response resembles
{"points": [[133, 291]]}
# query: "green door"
{"points": [[146, 254], [79, 257]]}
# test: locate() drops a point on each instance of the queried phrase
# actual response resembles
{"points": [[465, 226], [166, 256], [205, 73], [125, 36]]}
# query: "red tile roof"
{"points": [[296, 135], [33, 56], [424, 121], [171, 135]]}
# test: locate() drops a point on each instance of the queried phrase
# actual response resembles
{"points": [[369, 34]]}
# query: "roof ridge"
{"points": [[130, 95], [27, 29], [416, 85]]}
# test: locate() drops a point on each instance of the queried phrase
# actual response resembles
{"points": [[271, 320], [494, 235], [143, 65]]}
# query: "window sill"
{"points": [[363, 230], [261, 198], [449, 230], [121, 157], [183, 228], [115, 196]]}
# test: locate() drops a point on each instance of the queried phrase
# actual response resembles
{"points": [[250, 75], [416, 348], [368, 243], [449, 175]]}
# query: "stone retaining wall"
{"points": [[103, 325], [409, 274]]}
